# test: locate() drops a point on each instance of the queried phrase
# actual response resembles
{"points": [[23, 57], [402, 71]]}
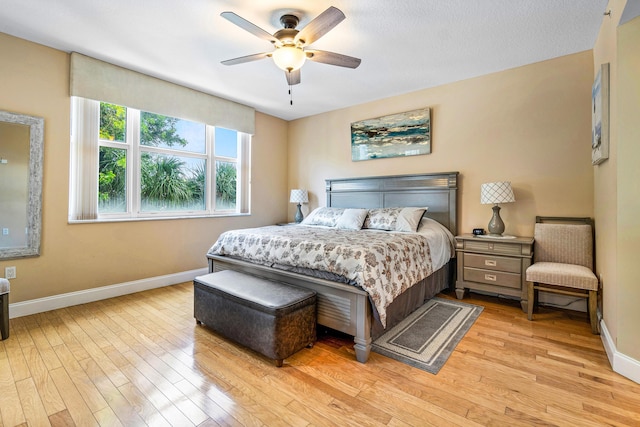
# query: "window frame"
{"points": [[85, 127]]}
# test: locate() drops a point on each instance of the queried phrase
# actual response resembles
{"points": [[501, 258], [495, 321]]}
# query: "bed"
{"points": [[342, 305]]}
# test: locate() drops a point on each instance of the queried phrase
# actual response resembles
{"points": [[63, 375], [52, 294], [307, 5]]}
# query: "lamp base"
{"points": [[496, 225], [299, 217]]}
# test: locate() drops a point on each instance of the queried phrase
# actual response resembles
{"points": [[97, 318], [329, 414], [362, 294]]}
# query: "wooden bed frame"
{"points": [[344, 307]]}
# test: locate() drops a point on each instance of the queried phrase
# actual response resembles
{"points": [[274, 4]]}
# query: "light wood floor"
{"points": [[141, 360]]}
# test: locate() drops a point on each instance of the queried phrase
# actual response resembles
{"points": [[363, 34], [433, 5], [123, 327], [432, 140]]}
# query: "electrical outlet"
{"points": [[9, 272], [5, 231]]}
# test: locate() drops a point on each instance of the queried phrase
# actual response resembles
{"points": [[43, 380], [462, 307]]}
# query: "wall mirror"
{"points": [[21, 152]]}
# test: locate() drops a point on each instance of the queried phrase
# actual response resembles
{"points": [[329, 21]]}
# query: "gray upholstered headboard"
{"points": [[437, 191]]}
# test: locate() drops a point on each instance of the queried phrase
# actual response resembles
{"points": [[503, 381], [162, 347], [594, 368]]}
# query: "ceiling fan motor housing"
{"points": [[289, 21], [286, 36]]}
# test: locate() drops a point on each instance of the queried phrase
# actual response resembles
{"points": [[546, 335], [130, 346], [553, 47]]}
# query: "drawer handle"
{"points": [[491, 277], [490, 262]]}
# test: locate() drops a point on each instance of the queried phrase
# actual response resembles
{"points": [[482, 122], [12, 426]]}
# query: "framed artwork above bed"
{"points": [[396, 135]]}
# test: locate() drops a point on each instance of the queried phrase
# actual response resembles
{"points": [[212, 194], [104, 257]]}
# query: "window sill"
{"points": [[154, 218]]}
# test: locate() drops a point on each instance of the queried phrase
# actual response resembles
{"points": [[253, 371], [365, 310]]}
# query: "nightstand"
{"points": [[493, 265]]}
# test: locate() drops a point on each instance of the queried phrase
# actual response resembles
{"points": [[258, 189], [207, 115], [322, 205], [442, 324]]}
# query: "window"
{"points": [[128, 163]]}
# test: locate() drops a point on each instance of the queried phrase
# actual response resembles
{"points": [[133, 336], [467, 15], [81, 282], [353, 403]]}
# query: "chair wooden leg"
{"points": [[531, 300], [593, 308]]}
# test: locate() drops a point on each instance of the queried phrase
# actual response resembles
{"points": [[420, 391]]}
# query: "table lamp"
{"points": [[494, 193], [299, 196]]}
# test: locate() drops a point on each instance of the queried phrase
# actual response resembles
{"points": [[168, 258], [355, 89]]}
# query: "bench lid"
{"points": [[259, 293]]}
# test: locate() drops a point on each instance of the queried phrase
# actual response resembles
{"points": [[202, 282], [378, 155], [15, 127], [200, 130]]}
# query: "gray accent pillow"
{"points": [[382, 219], [325, 216], [394, 219]]}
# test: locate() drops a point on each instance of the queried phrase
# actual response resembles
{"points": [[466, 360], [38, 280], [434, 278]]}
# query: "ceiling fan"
{"points": [[291, 45]]}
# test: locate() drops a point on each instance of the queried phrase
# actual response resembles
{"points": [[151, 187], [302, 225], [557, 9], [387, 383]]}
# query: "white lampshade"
{"points": [[299, 196], [496, 192], [289, 58]]}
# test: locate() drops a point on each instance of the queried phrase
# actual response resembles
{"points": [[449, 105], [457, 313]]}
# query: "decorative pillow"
{"points": [[382, 219], [324, 216], [409, 219], [352, 219]]}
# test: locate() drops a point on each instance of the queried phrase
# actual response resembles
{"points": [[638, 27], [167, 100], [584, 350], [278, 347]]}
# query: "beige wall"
{"points": [[529, 125], [615, 183], [82, 256], [628, 176], [605, 175]]}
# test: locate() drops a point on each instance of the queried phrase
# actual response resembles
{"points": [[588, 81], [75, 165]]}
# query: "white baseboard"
{"points": [[620, 363], [40, 305]]}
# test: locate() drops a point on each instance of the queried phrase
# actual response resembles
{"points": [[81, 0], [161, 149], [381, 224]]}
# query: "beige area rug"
{"points": [[429, 335]]}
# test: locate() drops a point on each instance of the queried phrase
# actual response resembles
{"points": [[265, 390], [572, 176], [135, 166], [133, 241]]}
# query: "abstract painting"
{"points": [[396, 135]]}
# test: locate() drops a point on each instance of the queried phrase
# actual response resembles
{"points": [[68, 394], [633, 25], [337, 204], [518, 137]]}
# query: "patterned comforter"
{"points": [[382, 263]]}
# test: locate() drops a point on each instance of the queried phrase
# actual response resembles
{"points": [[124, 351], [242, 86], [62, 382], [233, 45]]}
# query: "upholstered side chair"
{"points": [[564, 262]]}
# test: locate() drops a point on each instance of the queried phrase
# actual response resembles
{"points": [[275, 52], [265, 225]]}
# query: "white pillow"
{"points": [[409, 219], [352, 219]]}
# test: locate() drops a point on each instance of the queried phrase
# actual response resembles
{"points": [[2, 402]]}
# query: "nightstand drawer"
{"points": [[490, 277], [490, 262], [482, 245]]}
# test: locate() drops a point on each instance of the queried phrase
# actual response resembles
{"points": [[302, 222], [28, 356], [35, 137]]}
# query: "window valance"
{"points": [[94, 79]]}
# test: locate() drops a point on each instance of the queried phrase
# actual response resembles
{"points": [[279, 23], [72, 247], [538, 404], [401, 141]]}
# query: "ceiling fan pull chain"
{"points": [[290, 96]]}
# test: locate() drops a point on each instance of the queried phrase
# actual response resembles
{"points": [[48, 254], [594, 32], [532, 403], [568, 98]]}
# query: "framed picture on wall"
{"points": [[600, 116], [396, 135]]}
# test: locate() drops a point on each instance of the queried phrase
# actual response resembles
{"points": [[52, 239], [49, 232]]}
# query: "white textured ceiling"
{"points": [[405, 45]]}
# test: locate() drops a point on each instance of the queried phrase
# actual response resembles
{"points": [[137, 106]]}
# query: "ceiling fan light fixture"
{"points": [[289, 58]]}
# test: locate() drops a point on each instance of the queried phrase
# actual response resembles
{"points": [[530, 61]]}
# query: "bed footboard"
{"points": [[342, 307]]}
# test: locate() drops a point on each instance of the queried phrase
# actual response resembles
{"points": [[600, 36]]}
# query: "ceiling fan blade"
{"points": [[293, 77], [249, 26], [248, 58], [320, 26], [333, 58]]}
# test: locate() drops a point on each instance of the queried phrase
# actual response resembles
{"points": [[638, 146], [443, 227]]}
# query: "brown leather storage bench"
{"points": [[269, 317]]}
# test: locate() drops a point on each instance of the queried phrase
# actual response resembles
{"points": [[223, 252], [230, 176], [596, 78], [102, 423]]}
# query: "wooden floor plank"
{"points": [[43, 345], [157, 398], [61, 419], [19, 367], [107, 418], [118, 404], [11, 411], [45, 387], [143, 406], [215, 412], [140, 360], [75, 404], [82, 382], [175, 396], [32, 406]]}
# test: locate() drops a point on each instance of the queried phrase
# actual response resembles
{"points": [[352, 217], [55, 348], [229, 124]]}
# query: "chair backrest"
{"points": [[564, 243]]}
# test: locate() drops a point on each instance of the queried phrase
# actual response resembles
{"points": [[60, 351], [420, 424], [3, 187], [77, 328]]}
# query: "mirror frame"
{"points": [[34, 201]]}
